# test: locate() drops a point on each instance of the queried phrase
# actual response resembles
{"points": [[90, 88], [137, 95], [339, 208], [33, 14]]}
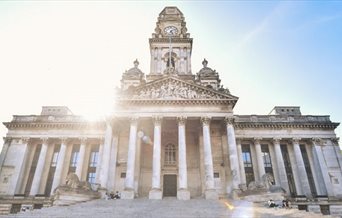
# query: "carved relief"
{"points": [[174, 90]]}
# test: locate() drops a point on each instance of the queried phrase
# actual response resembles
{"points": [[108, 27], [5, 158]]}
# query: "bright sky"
{"points": [[73, 53]]}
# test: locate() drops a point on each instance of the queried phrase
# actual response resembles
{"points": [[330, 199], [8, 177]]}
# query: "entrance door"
{"points": [[170, 186]]}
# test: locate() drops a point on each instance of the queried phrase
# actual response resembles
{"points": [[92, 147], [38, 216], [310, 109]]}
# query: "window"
{"points": [[91, 177], [74, 158], [170, 154], [216, 175], [123, 175], [54, 159], [94, 156], [247, 162], [266, 156], [246, 156]]}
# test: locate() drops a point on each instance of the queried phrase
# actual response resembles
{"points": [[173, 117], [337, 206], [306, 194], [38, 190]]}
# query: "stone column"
{"points": [[155, 192], [128, 192], [322, 167], [281, 166], [182, 192], [7, 142], [233, 156], [337, 149], [210, 192], [80, 162], [99, 163], [58, 172], [241, 164], [39, 169], [106, 155], [22, 168], [305, 186], [259, 157]]}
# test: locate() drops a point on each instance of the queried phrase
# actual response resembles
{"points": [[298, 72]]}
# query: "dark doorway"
{"points": [[170, 186]]}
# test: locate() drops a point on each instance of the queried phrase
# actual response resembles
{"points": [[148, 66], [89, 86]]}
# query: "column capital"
{"points": [[335, 140], [229, 120], [83, 140], [317, 141], [133, 120], [295, 140], [181, 120], [44, 140], [157, 120], [64, 140], [205, 121], [257, 140], [25, 140], [276, 140]]}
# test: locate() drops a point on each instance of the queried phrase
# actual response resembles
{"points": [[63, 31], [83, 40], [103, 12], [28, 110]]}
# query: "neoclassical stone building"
{"points": [[172, 133]]}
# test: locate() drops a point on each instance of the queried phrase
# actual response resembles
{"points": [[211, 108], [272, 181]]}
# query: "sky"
{"points": [[73, 53]]}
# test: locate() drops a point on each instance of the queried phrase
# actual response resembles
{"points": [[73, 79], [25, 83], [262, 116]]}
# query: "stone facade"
{"points": [[173, 133]]}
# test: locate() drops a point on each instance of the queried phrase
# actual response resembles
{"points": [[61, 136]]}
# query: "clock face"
{"points": [[170, 30]]}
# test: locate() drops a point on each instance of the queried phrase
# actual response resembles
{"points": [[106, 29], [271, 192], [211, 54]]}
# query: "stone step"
{"points": [[168, 208]]}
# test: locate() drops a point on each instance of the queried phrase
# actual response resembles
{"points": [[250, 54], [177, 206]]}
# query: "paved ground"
{"points": [[168, 208]]}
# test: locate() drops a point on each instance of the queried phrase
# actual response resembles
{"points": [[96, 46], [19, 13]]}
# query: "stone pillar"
{"points": [[337, 149], [241, 165], [7, 142], [99, 163], [80, 162], [106, 155], [182, 192], [322, 167], [155, 192], [59, 168], [233, 156], [281, 166], [210, 192], [39, 169], [259, 157], [305, 186], [23, 167], [128, 192]]}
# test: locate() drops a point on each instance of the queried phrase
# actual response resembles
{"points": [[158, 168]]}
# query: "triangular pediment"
{"points": [[173, 88]]}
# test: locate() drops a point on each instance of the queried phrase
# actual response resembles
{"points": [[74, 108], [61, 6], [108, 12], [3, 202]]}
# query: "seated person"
{"points": [[271, 203], [286, 203], [117, 195]]}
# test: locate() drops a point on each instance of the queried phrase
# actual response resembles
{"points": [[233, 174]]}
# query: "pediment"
{"points": [[173, 88]]}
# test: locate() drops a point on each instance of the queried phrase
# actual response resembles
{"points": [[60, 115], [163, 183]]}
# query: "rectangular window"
{"points": [[266, 156], [123, 175], [74, 158], [94, 156], [93, 162], [247, 162], [54, 159], [91, 177], [216, 175]]}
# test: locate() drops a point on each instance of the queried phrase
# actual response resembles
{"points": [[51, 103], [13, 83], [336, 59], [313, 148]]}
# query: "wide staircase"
{"points": [[168, 208]]}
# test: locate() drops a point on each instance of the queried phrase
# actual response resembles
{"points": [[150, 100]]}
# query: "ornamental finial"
{"points": [[204, 63], [136, 63]]}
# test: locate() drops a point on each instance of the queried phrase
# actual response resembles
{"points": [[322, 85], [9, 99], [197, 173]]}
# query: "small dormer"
{"points": [[132, 77], [208, 77], [56, 110], [286, 110]]}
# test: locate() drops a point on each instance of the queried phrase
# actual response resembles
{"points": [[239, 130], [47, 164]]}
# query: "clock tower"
{"points": [[170, 46]]}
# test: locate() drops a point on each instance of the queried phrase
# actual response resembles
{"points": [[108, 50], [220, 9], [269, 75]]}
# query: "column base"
{"points": [[155, 194], [183, 194], [127, 194], [211, 194]]}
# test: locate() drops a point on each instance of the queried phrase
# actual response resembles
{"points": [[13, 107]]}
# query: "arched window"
{"points": [[170, 154]]}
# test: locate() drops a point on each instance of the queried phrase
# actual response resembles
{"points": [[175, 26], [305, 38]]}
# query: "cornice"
{"points": [[167, 40], [177, 101], [83, 125], [283, 125]]}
